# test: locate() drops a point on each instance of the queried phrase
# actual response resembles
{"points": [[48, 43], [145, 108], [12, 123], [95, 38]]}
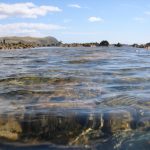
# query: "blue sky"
{"points": [[125, 21]]}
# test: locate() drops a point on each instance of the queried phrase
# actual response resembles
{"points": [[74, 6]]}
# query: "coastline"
{"points": [[11, 43], [29, 45], [61, 46]]}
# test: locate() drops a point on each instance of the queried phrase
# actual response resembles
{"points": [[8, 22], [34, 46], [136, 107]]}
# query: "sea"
{"points": [[75, 98]]}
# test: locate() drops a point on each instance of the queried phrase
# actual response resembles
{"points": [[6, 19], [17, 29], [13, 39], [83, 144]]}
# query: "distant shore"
{"points": [[13, 46], [27, 42], [11, 43]]}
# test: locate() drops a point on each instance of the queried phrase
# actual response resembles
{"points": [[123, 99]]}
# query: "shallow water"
{"points": [[75, 98]]}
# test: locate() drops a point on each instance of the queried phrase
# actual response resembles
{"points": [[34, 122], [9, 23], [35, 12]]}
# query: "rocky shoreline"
{"points": [[16, 46], [11, 43]]}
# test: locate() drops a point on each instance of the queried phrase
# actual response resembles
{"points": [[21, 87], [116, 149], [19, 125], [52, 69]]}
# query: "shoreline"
{"points": [[39, 47], [11, 43], [23, 46]]}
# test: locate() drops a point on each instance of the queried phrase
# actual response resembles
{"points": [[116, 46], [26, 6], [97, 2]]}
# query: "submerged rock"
{"points": [[115, 120], [68, 126], [10, 129], [61, 128]]}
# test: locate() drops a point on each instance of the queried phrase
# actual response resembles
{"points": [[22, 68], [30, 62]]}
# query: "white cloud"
{"points": [[3, 16], [95, 19], [27, 29], [75, 6], [25, 10]]}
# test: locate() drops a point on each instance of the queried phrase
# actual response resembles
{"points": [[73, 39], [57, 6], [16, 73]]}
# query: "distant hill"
{"points": [[15, 42], [46, 41]]}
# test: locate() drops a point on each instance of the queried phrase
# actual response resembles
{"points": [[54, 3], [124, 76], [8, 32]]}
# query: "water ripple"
{"points": [[82, 98]]}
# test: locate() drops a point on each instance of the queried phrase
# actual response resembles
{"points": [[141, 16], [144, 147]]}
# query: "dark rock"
{"points": [[104, 43], [118, 45]]}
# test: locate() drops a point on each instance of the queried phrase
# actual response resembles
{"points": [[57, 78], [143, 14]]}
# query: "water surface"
{"points": [[75, 98]]}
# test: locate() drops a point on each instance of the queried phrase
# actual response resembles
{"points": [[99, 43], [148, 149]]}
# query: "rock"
{"points": [[10, 129], [117, 120], [58, 129]]}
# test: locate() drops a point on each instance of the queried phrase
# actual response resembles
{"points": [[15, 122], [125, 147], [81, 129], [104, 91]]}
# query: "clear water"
{"points": [[75, 98]]}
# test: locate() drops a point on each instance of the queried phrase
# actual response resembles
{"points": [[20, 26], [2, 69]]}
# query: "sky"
{"points": [[124, 21]]}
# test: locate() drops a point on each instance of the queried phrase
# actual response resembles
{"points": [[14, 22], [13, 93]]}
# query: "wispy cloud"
{"points": [[74, 6], [143, 18], [95, 19], [82, 33], [25, 29], [129, 5], [147, 12], [67, 20], [25, 10], [139, 19]]}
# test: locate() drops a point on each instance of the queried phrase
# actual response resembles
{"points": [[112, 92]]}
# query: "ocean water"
{"points": [[75, 98]]}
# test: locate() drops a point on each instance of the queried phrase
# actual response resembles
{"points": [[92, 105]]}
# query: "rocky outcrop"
{"points": [[146, 46]]}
